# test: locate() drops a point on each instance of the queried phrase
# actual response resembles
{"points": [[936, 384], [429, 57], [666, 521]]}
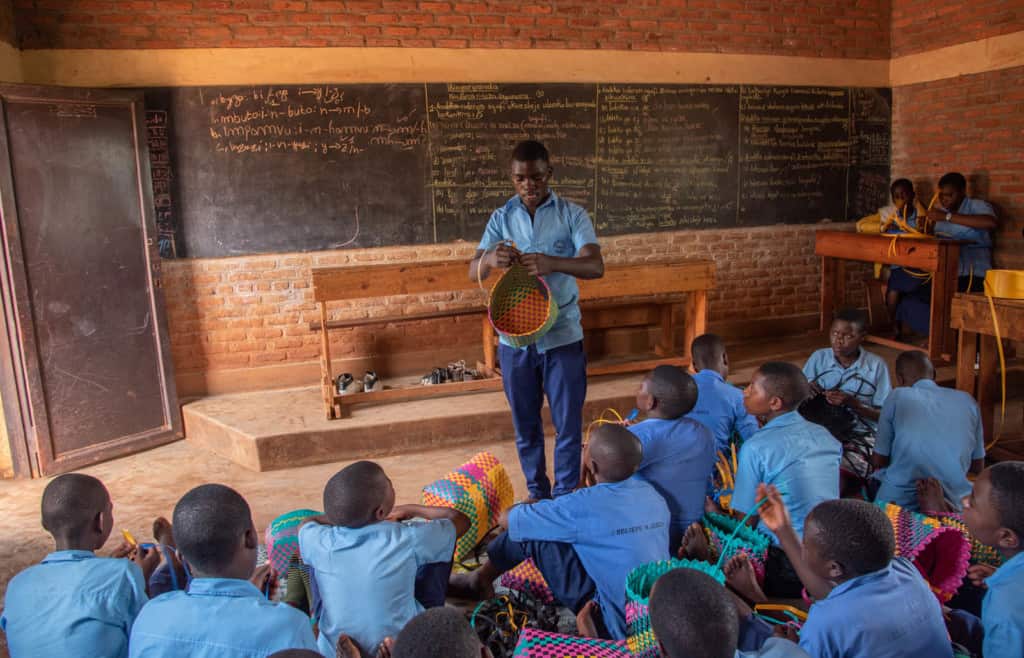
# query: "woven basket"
{"points": [[527, 578], [639, 634], [941, 553], [282, 539], [535, 643], [747, 540], [521, 307]]}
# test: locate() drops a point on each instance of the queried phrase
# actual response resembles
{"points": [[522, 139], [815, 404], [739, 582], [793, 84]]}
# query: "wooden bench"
{"points": [[627, 296]]}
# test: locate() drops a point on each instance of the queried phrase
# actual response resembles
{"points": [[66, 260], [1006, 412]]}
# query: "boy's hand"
{"points": [[403, 513], [840, 398], [147, 558], [503, 519], [773, 513], [503, 256], [264, 580], [123, 550], [815, 388], [536, 264], [786, 632], [978, 573]]}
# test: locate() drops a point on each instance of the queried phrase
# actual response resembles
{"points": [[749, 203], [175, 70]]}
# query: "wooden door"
{"points": [[87, 373]]}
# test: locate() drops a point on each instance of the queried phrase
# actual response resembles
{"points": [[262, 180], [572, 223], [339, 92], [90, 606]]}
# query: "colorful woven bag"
{"points": [[535, 643], [481, 490], [293, 575], [720, 528], [521, 307], [639, 635], [939, 552], [980, 553], [525, 577]]}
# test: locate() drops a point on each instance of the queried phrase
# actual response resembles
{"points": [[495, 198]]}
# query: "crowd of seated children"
{"points": [[719, 404]]}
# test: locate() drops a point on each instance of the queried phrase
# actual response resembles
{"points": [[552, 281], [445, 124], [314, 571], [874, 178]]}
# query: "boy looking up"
{"points": [[719, 404]]}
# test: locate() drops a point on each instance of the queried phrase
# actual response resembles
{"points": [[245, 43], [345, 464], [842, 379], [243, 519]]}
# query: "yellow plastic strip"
{"points": [[1005, 284]]}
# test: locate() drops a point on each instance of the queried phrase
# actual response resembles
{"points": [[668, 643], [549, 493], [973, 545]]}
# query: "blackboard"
{"points": [[247, 170]]}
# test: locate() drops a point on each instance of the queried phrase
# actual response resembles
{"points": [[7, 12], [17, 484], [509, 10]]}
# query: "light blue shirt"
{"points": [[679, 456], [867, 378], [890, 613], [775, 647], [218, 618], [976, 256], [720, 409], [614, 527], [928, 431], [73, 604], [366, 576], [1002, 614], [799, 457], [558, 228]]}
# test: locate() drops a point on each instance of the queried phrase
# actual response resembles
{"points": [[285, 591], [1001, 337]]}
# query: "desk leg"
{"points": [[944, 280], [666, 340], [988, 384], [488, 336], [832, 287], [966, 352]]}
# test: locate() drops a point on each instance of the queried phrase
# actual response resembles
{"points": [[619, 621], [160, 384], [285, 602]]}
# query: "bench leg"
{"points": [[326, 376], [666, 342], [696, 320]]}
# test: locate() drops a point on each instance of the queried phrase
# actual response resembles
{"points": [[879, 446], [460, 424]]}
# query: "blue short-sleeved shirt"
{"points": [[366, 576], [614, 527], [867, 378], [976, 256], [73, 604], [720, 409], [679, 456], [1002, 614], [928, 431], [775, 647], [558, 228], [799, 457], [890, 613], [218, 618]]}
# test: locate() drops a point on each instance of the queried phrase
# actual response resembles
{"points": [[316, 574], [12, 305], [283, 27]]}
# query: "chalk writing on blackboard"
{"points": [[158, 141]]}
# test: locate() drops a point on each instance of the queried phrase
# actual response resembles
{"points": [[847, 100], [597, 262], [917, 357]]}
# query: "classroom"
{"points": [[425, 328]]}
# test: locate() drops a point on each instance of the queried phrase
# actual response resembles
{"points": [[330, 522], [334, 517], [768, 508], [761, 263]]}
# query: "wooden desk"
{"points": [[940, 257], [970, 313]]}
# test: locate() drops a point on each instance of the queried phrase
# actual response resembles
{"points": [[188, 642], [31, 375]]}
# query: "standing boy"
{"points": [[719, 404], [552, 238]]}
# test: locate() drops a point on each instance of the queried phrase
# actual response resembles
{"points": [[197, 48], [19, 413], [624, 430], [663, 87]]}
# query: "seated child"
{"points": [[994, 514], [926, 431], [223, 613], [373, 573], [439, 633], [694, 617], [74, 603], [798, 456], [869, 603], [719, 404], [904, 212], [849, 376], [678, 452], [585, 543]]}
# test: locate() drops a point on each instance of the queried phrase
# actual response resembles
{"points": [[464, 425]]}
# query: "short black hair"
{"points": [[915, 365], [706, 351], [71, 502], [692, 616], [785, 381], [352, 496], [530, 151], [954, 179], [296, 653], [1007, 480], [437, 633], [855, 533], [674, 390], [902, 182], [854, 316], [208, 522], [616, 450]]}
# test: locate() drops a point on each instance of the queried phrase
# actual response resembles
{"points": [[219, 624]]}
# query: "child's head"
{"points": [[902, 191], [847, 538], [438, 633], [994, 510], [708, 353], [952, 191], [77, 511], [667, 392], [214, 531], [775, 388], [913, 366], [693, 616], [613, 454], [358, 495], [848, 332]]}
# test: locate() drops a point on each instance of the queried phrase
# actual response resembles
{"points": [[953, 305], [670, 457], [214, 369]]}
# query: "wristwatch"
{"points": [[949, 216]]}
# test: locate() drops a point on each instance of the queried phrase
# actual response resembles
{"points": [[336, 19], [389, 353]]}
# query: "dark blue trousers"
{"points": [[561, 373], [432, 584]]}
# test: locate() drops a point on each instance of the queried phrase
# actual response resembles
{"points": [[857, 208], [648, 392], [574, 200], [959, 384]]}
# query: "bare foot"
{"points": [[930, 497], [163, 532], [585, 625], [740, 576], [475, 585], [347, 648], [695, 544], [384, 650]]}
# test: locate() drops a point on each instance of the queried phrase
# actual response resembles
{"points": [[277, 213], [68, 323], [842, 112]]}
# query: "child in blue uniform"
{"points": [[226, 611], [75, 603], [868, 603], [679, 452], [585, 543], [719, 404], [439, 633], [373, 572]]}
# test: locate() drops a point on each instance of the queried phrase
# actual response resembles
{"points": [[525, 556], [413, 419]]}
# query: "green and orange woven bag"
{"points": [[521, 307]]}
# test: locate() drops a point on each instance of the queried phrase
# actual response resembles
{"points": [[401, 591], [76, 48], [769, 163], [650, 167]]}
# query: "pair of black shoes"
{"points": [[346, 384], [455, 372]]}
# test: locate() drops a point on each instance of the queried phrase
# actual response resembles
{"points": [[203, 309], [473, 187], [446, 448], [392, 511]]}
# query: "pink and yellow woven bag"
{"points": [[521, 307]]}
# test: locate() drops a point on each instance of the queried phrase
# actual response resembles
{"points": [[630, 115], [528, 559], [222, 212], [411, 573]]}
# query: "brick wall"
{"points": [[255, 310], [826, 28], [973, 124], [922, 25]]}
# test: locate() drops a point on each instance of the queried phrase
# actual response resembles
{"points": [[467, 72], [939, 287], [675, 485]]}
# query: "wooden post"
{"points": [[696, 320], [488, 335], [326, 376], [988, 383], [967, 351], [829, 276], [666, 340], [944, 282]]}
